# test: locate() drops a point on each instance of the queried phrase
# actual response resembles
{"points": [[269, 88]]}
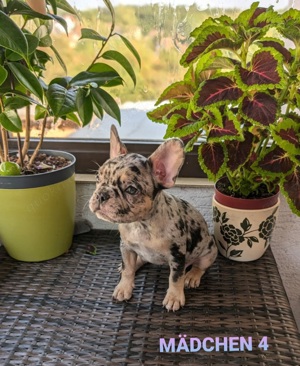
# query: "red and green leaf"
{"points": [[181, 126], [248, 16], [159, 114], [260, 109], [239, 152], [219, 90], [230, 130], [278, 46], [211, 37], [179, 91], [212, 159], [265, 71], [275, 161], [287, 135], [290, 187]]}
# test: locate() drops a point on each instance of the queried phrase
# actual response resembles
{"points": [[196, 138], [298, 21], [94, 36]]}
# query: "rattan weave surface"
{"points": [[60, 312]]}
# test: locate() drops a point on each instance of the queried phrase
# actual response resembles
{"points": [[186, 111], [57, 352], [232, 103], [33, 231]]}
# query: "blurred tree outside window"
{"points": [[159, 30]]}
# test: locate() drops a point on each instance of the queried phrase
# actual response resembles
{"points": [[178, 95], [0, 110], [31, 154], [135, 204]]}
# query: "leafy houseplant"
{"points": [[25, 51], [239, 99], [37, 210]]}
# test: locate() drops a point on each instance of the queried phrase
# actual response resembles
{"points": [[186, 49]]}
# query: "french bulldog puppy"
{"points": [[154, 226]]}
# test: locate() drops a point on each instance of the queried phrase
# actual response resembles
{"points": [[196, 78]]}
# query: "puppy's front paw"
{"points": [[193, 277], [174, 300], [123, 291]]}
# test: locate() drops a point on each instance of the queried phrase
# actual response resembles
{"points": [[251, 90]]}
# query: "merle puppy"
{"points": [[154, 226]]}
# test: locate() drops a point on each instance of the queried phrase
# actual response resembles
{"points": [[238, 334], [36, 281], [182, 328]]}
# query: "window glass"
{"points": [[159, 30]]}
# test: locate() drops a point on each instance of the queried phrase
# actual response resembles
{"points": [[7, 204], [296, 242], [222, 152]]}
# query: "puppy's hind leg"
{"points": [[200, 265], [139, 263]]}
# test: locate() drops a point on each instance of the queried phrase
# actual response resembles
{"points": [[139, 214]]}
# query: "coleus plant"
{"points": [[26, 48], [239, 101]]}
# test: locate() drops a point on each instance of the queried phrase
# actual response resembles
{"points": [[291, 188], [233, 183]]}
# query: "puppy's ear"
{"points": [[167, 161], [116, 146]]}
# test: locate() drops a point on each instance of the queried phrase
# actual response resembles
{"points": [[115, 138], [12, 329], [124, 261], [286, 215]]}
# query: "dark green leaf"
{"points": [[65, 81], [53, 4], [15, 103], [132, 49], [111, 10], [101, 79], [61, 21], [106, 101], [3, 74], [26, 78], [98, 110], [40, 112], [21, 8], [87, 33], [11, 121], [102, 68], [122, 60], [73, 117], [61, 100], [33, 42], [59, 59], [64, 5], [84, 106], [12, 37]]}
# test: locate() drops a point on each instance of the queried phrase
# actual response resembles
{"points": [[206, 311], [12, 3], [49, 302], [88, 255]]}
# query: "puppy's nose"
{"points": [[103, 196]]}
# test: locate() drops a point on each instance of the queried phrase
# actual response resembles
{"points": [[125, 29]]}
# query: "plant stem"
{"points": [[20, 160], [39, 145], [104, 42], [4, 143], [230, 180], [27, 133], [1, 154]]}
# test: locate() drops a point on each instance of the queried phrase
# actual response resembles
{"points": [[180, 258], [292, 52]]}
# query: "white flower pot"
{"points": [[243, 234]]}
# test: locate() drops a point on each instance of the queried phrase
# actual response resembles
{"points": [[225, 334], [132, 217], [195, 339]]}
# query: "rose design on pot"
{"points": [[244, 233], [232, 234], [266, 228]]}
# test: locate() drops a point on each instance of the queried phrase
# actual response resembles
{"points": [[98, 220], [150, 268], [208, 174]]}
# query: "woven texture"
{"points": [[60, 312]]}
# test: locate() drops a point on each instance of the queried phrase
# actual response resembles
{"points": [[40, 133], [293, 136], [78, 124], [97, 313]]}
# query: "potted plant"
{"points": [[239, 101], [37, 188]]}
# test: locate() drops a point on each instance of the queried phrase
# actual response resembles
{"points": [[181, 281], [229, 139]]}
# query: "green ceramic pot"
{"points": [[37, 213]]}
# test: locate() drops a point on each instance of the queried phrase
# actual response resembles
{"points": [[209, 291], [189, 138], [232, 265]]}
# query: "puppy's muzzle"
{"points": [[99, 199], [102, 197]]}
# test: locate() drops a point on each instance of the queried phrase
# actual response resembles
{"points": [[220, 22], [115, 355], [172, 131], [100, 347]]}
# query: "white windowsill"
{"points": [[180, 182]]}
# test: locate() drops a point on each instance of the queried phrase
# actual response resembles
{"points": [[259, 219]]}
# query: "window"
{"points": [[159, 29]]}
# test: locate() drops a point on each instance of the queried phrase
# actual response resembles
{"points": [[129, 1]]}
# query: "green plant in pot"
{"points": [[238, 104], [37, 188]]}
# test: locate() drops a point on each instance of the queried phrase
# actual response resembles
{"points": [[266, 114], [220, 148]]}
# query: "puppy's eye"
{"points": [[131, 190]]}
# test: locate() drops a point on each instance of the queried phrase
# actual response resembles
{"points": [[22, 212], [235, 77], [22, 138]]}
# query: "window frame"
{"points": [[90, 153]]}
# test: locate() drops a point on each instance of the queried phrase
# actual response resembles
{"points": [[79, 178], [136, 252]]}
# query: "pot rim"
{"points": [[41, 179], [241, 210], [246, 203]]}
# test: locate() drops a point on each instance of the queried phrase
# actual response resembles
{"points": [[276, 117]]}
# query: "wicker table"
{"points": [[60, 312]]}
